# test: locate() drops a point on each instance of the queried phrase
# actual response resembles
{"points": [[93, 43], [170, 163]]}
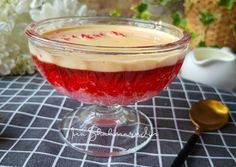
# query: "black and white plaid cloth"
{"points": [[30, 113]]}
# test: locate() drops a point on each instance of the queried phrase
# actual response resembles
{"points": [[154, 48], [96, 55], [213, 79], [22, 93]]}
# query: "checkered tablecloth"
{"points": [[30, 113]]}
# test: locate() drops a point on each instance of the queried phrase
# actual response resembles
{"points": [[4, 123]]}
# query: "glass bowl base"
{"points": [[106, 131]]}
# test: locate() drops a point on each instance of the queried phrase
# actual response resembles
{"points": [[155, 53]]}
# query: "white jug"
{"points": [[211, 66]]}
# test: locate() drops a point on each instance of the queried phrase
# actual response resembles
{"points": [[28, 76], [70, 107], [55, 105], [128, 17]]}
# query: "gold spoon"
{"points": [[206, 115]]}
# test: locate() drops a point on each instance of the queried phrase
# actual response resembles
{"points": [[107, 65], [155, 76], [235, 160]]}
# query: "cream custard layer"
{"points": [[109, 36]]}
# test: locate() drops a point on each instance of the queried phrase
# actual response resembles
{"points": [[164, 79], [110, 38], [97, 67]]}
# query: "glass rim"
{"points": [[32, 34]]}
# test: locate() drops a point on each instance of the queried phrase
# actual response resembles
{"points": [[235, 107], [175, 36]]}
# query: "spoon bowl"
{"points": [[208, 115]]}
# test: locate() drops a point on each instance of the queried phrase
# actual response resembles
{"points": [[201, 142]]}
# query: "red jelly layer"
{"points": [[108, 88]]}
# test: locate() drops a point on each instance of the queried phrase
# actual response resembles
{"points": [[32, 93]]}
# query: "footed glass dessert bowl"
{"points": [[107, 63]]}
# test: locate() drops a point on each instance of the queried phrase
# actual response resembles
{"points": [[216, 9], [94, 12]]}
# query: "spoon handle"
{"points": [[183, 154]]}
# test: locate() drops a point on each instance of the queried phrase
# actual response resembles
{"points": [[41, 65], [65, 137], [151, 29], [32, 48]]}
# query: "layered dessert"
{"points": [[108, 64]]}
